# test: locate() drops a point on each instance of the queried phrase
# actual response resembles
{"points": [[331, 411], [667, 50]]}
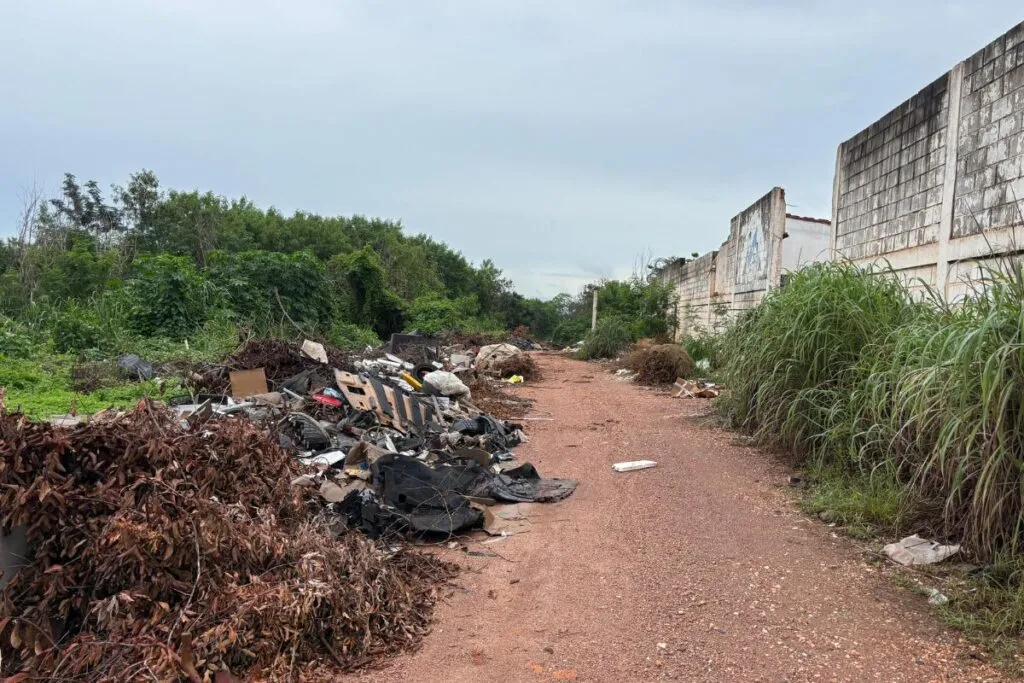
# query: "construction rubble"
{"points": [[255, 527]]}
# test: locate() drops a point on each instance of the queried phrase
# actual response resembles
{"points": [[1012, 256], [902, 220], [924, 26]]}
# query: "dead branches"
{"points": [[178, 552]]}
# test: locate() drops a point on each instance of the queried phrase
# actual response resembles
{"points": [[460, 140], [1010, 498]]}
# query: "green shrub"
{"points": [[705, 346], [349, 337], [169, 297], [74, 327], [254, 282], [366, 297], [15, 339], [74, 332], [611, 336], [570, 331], [434, 314]]}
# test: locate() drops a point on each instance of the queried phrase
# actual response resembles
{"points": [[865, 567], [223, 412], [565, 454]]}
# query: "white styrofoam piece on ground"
{"points": [[633, 465]]}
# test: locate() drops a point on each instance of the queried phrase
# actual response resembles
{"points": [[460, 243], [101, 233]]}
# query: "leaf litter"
{"points": [[177, 550]]}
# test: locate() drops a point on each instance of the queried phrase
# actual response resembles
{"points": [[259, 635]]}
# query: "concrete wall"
{"points": [[807, 241], [930, 187], [720, 284]]}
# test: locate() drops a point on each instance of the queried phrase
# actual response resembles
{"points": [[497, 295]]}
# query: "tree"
{"points": [[367, 299], [84, 211]]}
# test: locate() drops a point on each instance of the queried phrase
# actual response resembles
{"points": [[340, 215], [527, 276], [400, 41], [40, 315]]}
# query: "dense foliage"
{"points": [[169, 261], [172, 275], [627, 310]]}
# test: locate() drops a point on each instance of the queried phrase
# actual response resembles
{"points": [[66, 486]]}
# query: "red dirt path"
{"points": [[700, 569]]}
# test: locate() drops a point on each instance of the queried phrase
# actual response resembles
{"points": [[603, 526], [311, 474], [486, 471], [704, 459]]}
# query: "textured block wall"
{"points": [[692, 280], [990, 146], [937, 184], [757, 233], [890, 188], [722, 283]]}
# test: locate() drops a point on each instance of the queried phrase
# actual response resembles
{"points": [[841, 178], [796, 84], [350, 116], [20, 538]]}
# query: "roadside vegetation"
{"points": [[179, 277], [907, 414], [628, 310]]}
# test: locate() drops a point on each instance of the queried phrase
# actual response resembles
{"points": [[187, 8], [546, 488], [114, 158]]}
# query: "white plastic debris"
{"points": [[315, 350], [324, 459], [914, 550], [936, 597], [491, 355], [446, 383], [633, 465]]}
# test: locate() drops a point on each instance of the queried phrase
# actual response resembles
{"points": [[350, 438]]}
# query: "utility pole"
{"points": [[593, 315]]}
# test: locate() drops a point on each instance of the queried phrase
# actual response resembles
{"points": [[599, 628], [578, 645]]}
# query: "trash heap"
{"points": [[281, 361], [177, 548], [395, 444]]}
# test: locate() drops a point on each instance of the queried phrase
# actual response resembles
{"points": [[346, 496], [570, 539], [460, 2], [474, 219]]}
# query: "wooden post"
{"points": [[593, 315]]}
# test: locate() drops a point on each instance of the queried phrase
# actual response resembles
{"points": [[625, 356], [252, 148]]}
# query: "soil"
{"points": [[700, 569]]}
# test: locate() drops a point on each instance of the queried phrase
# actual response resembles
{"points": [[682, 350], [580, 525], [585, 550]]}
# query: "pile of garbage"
{"points": [[178, 548], [281, 361], [397, 446], [699, 388]]}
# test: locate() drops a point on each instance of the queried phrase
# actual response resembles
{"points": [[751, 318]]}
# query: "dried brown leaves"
{"points": [[173, 553], [660, 364]]}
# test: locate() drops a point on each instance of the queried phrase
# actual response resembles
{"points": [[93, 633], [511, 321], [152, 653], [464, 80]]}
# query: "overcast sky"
{"points": [[562, 139]]}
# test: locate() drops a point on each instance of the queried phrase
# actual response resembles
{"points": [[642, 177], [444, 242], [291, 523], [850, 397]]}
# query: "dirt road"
{"points": [[700, 569]]}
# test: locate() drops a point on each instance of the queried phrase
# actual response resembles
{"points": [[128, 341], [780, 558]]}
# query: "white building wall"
{"points": [[807, 241]]}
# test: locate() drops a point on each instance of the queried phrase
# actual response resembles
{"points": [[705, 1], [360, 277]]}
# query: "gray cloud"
{"points": [[559, 139]]}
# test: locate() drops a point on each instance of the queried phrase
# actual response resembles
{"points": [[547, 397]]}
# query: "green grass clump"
{"points": [[908, 415], [705, 346], [789, 361], [611, 336], [988, 604], [866, 504], [41, 388]]}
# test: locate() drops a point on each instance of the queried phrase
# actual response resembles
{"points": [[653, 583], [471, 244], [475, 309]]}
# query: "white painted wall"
{"points": [[807, 242]]}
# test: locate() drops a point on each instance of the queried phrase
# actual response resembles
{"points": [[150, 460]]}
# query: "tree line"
{"points": [[143, 261]]}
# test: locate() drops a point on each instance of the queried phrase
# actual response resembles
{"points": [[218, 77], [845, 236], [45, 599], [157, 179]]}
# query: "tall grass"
{"points": [[611, 336], [789, 361], [704, 346], [845, 370]]}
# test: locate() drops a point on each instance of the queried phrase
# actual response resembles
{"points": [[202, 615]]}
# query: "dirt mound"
{"points": [[660, 364], [87, 376], [186, 551]]}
